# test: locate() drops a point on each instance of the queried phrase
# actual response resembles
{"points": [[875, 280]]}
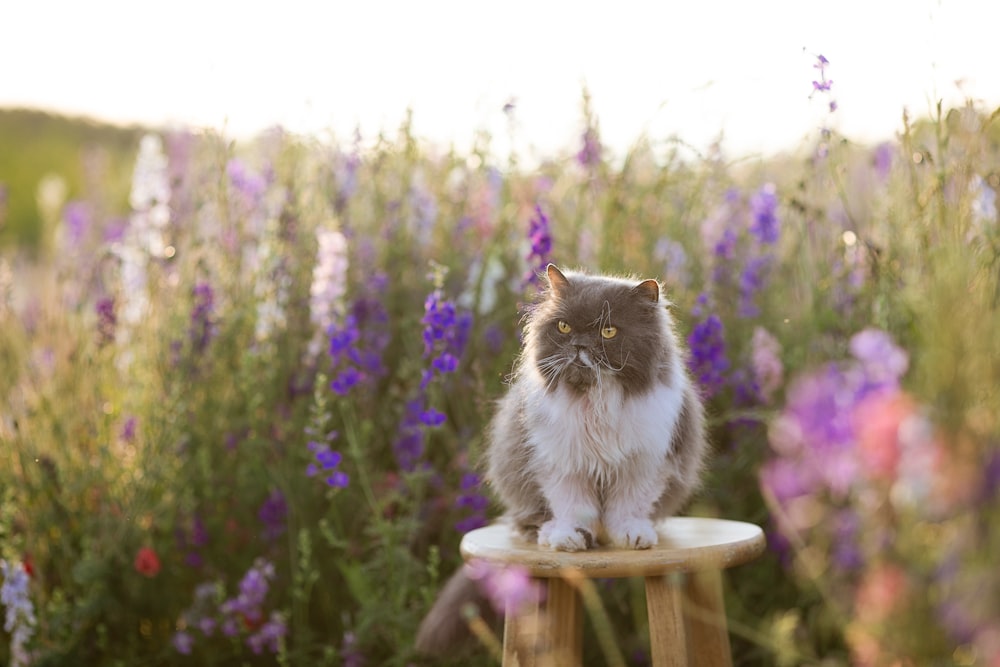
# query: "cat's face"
{"points": [[590, 330]]}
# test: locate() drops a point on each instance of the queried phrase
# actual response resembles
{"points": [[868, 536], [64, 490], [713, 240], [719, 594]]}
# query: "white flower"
{"points": [[329, 284]]}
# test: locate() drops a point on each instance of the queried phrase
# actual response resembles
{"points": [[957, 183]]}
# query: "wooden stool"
{"points": [[687, 619]]}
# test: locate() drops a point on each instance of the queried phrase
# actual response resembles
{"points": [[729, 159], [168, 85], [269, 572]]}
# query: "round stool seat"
{"points": [[687, 544]]}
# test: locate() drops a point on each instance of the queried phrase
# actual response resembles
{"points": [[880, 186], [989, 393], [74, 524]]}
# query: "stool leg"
{"points": [[557, 643], [705, 613], [664, 605], [565, 619], [520, 636]]}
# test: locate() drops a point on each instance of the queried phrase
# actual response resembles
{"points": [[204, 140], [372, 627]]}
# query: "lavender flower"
{"points": [[708, 362], [269, 635], [202, 327], [183, 642], [327, 462], [106, 320], [273, 513], [540, 251], [19, 617], [78, 218], [764, 225], [752, 281], [507, 588], [473, 502]]}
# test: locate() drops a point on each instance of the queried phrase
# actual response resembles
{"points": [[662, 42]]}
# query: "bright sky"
{"points": [[691, 68]]}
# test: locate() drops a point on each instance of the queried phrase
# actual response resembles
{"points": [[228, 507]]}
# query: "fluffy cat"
{"points": [[600, 435]]}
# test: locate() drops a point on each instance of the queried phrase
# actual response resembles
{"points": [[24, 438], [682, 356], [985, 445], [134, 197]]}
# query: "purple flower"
{"points": [[269, 635], [328, 461], [78, 217], [202, 327], [882, 159], [128, 429], [708, 361], [272, 514], [590, 152], [183, 643], [752, 281], [764, 218], [249, 184], [106, 320], [884, 363], [540, 251], [473, 502]]}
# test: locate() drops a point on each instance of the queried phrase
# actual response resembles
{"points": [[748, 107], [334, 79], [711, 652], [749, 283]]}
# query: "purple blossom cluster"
{"points": [[445, 334], [358, 342], [243, 615], [190, 541], [202, 327], [273, 513], [327, 463], [707, 346], [19, 611], [471, 501], [540, 247], [824, 440]]}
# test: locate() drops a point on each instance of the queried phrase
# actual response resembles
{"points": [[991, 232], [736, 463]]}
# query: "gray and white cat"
{"points": [[601, 433]]}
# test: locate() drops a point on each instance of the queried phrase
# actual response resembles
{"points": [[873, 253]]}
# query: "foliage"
{"points": [[243, 410]]}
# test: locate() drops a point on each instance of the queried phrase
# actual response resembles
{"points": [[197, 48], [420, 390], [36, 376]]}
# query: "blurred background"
{"points": [[698, 70]]}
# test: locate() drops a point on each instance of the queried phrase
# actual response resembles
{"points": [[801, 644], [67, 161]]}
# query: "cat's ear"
{"points": [[557, 281], [648, 289]]}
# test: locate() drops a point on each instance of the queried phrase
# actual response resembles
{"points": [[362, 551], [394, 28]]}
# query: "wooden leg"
{"points": [[521, 636], [705, 613], [664, 604], [565, 622], [552, 637]]}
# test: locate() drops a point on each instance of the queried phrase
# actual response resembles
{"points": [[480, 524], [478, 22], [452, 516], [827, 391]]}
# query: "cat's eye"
{"points": [[609, 332], [563, 327]]}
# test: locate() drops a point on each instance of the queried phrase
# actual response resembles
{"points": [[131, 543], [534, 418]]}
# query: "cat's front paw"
{"points": [[565, 536], [633, 534]]}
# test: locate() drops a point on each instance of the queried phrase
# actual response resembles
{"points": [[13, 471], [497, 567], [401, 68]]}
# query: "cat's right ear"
{"points": [[557, 281]]}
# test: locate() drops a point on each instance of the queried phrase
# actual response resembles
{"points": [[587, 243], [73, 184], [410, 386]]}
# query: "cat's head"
{"points": [[588, 330]]}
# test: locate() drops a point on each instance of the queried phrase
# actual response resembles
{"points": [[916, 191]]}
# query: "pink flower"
{"points": [[881, 591], [877, 423], [765, 358], [507, 588]]}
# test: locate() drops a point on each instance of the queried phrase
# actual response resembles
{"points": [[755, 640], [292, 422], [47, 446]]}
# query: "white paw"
{"points": [[565, 536], [633, 534]]}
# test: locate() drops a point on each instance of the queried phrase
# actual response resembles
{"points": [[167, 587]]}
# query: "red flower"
{"points": [[147, 563], [29, 565]]}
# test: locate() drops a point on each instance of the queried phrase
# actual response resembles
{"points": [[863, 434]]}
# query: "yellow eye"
{"points": [[609, 332], [563, 327]]}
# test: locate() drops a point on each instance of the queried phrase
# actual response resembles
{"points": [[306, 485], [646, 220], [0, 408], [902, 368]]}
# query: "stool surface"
{"points": [[687, 544]]}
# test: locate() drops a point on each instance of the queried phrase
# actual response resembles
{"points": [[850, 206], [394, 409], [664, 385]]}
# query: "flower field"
{"points": [[244, 388]]}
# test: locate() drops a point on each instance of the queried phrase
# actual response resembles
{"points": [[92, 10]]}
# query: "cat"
{"points": [[600, 435]]}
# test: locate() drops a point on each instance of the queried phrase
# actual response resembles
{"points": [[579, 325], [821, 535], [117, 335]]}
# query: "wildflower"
{"points": [[764, 224], [147, 563], [349, 653], [329, 284], [202, 327], [590, 152], [765, 361], [884, 363], [508, 588], [328, 460], [250, 185], [128, 429], [882, 159], [272, 514], [540, 240], [752, 280], [269, 635], [247, 605], [473, 501], [150, 197], [708, 361], [106, 320], [78, 218], [19, 616], [183, 642]]}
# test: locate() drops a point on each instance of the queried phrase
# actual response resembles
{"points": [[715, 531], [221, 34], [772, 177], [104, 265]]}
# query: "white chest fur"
{"points": [[600, 433]]}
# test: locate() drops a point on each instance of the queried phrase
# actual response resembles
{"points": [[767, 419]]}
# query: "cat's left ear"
{"points": [[648, 289]]}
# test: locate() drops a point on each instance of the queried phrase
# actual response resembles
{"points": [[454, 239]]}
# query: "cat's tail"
{"points": [[445, 632]]}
